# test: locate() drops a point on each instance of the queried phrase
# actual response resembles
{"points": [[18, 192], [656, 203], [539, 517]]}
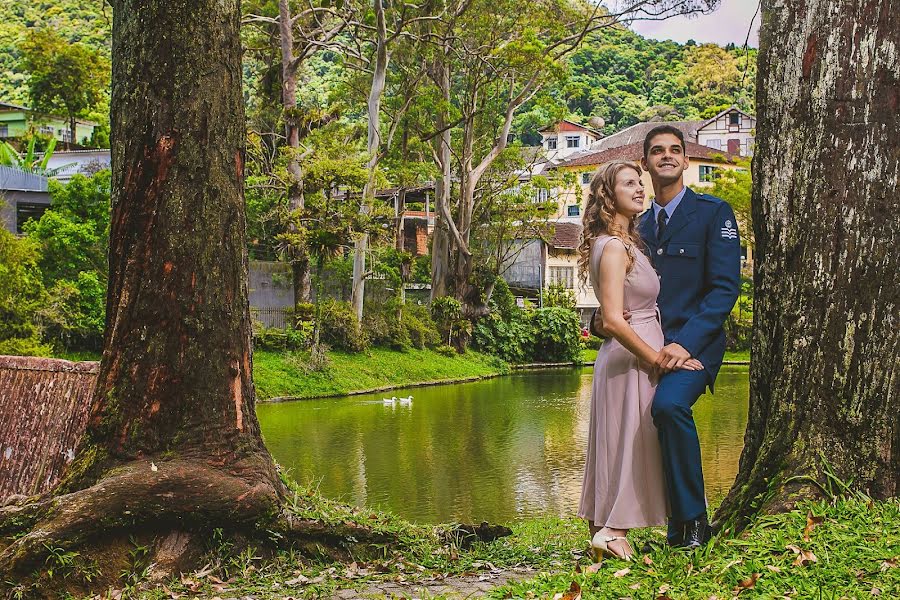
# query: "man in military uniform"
{"points": [[693, 243]]}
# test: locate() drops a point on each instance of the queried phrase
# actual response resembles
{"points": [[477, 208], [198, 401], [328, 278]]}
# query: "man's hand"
{"points": [[597, 324], [671, 357]]}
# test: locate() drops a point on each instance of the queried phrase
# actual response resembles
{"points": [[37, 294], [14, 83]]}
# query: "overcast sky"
{"points": [[729, 23]]}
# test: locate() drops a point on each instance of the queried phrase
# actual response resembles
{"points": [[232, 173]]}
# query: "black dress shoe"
{"points": [[696, 533], [675, 533]]}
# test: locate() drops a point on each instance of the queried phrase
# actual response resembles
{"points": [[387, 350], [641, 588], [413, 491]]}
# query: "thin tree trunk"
{"points": [[373, 145], [443, 221], [299, 255], [826, 336]]}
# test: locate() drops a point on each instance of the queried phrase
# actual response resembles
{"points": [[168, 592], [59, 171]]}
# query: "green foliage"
{"points": [[557, 334], [63, 76], [625, 78], [735, 186], [21, 295], [28, 162], [72, 238], [447, 314], [277, 339], [557, 295], [340, 329], [511, 338], [383, 327], [420, 328]]}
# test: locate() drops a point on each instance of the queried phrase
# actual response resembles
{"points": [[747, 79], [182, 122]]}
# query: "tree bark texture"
{"points": [[826, 339], [289, 68], [42, 416], [172, 438]]}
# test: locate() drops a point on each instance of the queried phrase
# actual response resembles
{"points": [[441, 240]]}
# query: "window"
{"points": [[586, 177], [551, 143], [574, 210], [708, 173], [734, 118], [573, 141], [26, 211], [714, 143], [564, 276], [750, 144], [4, 131], [541, 195], [46, 129]]}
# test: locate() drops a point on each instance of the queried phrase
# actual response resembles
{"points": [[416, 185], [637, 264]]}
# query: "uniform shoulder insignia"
{"points": [[709, 198]]}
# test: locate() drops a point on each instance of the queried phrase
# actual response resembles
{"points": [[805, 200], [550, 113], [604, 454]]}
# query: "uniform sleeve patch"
{"points": [[728, 231]]}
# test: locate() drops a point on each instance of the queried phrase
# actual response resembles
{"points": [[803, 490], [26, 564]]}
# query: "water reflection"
{"points": [[496, 450]]}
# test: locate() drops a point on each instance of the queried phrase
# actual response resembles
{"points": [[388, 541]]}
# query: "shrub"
{"points": [[384, 330], [419, 327], [339, 328], [557, 334], [446, 350], [273, 338], [25, 347], [557, 295], [74, 314], [512, 340]]}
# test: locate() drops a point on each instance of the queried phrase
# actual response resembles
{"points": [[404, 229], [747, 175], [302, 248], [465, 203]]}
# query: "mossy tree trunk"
{"points": [[826, 335], [173, 445]]}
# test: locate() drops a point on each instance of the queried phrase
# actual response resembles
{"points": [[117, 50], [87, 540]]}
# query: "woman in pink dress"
{"points": [[623, 477]]}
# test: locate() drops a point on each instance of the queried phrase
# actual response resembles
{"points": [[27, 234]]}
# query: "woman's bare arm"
{"points": [[613, 265]]}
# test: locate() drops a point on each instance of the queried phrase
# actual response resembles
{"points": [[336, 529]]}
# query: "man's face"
{"points": [[665, 161]]}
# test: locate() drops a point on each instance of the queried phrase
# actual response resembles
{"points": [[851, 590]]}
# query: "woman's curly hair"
{"points": [[599, 216]]}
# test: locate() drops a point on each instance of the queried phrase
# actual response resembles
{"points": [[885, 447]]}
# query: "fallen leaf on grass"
{"points": [[890, 563], [663, 589], [622, 572], [732, 563], [804, 557], [299, 580], [811, 523], [749, 583], [875, 591], [594, 568], [773, 568], [647, 560], [634, 586], [574, 593]]}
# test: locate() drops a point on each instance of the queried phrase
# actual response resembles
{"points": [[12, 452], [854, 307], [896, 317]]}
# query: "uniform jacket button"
{"points": [[681, 251], [659, 251]]}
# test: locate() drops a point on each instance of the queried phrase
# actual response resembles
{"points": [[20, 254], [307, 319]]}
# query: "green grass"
{"points": [[856, 548], [280, 374], [284, 374]]}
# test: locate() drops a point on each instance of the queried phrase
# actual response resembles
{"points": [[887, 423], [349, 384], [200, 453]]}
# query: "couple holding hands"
{"points": [[666, 281]]}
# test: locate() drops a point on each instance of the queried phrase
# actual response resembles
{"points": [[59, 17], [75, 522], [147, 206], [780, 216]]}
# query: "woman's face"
{"points": [[629, 193]]}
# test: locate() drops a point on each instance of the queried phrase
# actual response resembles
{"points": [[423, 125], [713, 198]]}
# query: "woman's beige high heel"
{"points": [[600, 546]]}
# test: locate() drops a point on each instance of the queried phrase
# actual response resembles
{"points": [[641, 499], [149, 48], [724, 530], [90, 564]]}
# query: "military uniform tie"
{"points": [[661, 219]]}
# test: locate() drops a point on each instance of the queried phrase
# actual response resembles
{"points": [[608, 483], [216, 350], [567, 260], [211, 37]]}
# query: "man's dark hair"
{"points": [[660, 130]]}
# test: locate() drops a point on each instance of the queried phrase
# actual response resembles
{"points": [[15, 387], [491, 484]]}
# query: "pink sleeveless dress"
{"points": [[623, 476]]}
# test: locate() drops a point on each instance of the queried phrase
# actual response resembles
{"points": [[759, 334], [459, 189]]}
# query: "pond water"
{"points": [[498, 450]]}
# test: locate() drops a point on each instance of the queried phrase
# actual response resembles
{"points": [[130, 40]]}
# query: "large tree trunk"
{"points": [[172, 441], [826, 337]]}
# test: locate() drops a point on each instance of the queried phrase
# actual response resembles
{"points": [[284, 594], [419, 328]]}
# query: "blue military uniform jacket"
{"points": [[698, 261]]}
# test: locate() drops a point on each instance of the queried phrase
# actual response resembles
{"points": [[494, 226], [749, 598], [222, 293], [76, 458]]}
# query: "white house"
{"points": [[565, 138], [731, 130]]}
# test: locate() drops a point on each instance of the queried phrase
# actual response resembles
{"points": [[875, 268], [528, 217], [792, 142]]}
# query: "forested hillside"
{"points": [[618, 75]]}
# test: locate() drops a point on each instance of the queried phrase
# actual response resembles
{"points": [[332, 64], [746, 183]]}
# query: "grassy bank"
{"points": [[845, 548], [286, 374]]}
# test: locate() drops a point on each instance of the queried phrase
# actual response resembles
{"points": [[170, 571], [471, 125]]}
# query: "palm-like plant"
{"points": [[28, 162]]}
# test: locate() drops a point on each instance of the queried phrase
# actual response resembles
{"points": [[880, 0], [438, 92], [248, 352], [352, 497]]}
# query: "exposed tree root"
{"points": [[173, 506]]}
